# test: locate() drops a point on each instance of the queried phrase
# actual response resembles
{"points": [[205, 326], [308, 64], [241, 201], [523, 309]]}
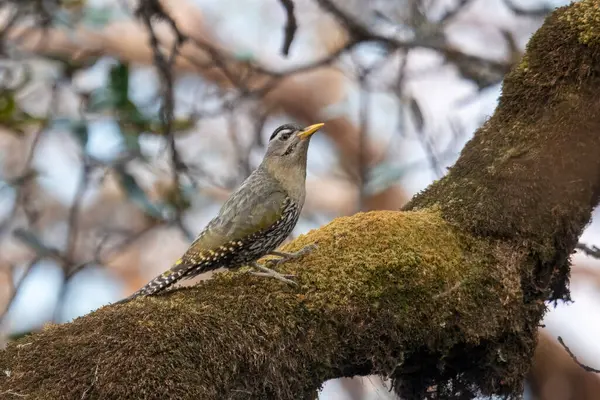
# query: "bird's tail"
{"points": [[156, 285]]}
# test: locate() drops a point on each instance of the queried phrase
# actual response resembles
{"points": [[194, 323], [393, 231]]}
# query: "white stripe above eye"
{"points": [[282, 131]]}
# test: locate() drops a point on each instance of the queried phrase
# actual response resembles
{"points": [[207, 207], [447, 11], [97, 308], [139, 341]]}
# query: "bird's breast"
{"points": [[267, 240]]}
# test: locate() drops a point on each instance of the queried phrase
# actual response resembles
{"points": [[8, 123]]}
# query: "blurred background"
{"points": [[124, 128]]}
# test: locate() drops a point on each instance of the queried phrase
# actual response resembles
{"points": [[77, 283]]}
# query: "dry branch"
{"points": [[555, 375]]}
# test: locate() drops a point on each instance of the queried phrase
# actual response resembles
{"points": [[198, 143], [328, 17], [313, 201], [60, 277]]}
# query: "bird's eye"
{"points": [[283, 132], [285, 135], [278, 133]]}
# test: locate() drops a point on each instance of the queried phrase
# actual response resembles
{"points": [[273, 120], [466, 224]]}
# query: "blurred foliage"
{"points": [[137, 195], [34, 243], [12, 116], [115, 98]]}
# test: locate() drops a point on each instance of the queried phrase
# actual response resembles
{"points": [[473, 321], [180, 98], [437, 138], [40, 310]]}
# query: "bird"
{"points": [[256, 218]]}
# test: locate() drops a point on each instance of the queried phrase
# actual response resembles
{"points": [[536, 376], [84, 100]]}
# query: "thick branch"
{"points": [[531, 174], [356, 312]]}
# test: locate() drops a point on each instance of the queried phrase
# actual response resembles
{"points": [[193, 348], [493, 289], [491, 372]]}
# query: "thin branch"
{"points": [[539, 12], [445, 293], [242, 161], [10, 392], [9, 24], [87, 390], [146, 11], [26, 171], [363, 168], [15, 289], [117, 250], [585, 367], [74, 211], [453, 12], [590, 250], [290, 27], [356, 29], [358, 33]]}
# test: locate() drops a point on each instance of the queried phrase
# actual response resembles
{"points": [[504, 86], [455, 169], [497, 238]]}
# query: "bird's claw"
{"points": [[286, 276], [274, 262], [273, 274], [284, 257]]}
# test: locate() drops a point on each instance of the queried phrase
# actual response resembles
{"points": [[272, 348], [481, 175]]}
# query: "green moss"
{"points": [[530, 173], [524, 64], [380, 286], [405, 245], [584, 17]]}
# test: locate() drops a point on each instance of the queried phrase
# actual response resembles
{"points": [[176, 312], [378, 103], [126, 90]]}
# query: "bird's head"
{"points": [[288, 144], [287, 152]]}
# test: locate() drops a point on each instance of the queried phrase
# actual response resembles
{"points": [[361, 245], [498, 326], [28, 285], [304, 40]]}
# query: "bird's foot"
{"points": [[273, 274], [284, 257], [287, 276]]}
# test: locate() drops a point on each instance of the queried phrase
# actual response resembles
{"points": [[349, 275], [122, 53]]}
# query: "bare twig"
{"points": [[540, 11], [27, 171], [290, 27], [585, 367], [13, 393], [454, 11], [117, 250], [86, 391], [73, 217], [590, 250], [147, 11], [17, 12], [242, 161], [16, 288], [356, 29], [445, 293], [363, 170]]}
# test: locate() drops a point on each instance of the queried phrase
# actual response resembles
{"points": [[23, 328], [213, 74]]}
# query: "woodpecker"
{"points": [[257, 217]]}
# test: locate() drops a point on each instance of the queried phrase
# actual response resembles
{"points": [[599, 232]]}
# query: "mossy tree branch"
{"points": [[444, 297]]}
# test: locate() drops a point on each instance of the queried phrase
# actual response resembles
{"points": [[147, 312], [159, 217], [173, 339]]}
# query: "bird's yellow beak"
{"points": [[309, 130]]}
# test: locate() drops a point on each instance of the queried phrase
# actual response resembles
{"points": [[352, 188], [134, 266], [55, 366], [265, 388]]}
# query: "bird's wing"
{"points": [[254, 206], [250, 209]]}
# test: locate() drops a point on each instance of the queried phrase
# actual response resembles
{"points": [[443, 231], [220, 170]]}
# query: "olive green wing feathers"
{"points": [[245, 213], [252, 208]]}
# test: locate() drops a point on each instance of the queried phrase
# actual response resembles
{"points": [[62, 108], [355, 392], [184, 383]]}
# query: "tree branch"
{"points": [[585, 367], [200, 339], [590, 250], [290, 27]]}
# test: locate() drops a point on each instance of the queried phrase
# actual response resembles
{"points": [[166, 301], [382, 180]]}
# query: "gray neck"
{"points": [[291, 177]]}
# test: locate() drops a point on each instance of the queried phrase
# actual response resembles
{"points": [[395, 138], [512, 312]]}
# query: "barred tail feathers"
{"points": [[161, 282], [156, 285], [175, 274]]}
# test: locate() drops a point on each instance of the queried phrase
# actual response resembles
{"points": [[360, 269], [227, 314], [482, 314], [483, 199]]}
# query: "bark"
{"points": [[445, 297]]}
